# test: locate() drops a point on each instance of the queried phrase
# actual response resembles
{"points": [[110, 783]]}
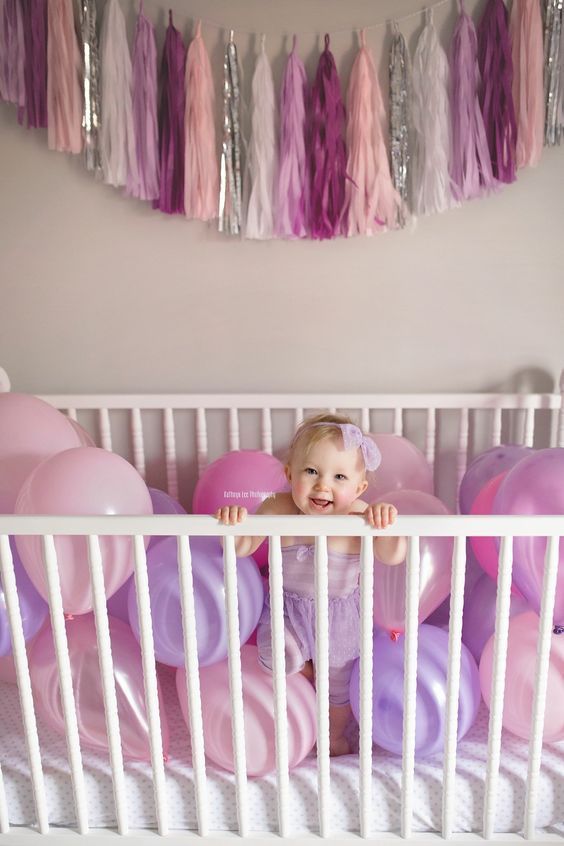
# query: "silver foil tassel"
{"points": [[230, 189], [553, 129], [400, 153], [91, 110]]}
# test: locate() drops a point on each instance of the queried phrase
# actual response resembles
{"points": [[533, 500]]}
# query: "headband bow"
{"points": [[353, 438]]}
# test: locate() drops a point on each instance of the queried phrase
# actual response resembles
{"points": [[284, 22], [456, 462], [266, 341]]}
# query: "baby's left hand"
{"points": [[381, 514]]}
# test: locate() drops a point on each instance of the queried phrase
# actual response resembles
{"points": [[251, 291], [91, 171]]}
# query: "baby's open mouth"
{"points": [[322, 503]]}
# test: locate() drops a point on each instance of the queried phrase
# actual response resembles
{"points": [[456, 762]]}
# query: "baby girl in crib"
{"points": [[326, 468]]}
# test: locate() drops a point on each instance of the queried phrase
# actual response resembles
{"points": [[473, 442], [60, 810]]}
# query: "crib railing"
{"points": [[186, 527]]}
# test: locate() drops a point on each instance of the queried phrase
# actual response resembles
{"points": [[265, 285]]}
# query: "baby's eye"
{"points": [[310, 471], [340, 477]]}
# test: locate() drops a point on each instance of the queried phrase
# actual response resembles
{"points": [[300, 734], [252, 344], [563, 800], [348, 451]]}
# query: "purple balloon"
{"points": [[33, 607], [432, 666], [478, 623], [209, 593], [535, 486], [484, 467], [163, 503]]}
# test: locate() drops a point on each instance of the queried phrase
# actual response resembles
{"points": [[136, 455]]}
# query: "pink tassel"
{"points": [[64, 67], [201, 174], [372, 201], [262, 152], [292, 202], [525, 28], [471, 167]]}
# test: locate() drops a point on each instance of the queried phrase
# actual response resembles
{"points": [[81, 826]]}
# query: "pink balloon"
{"points": [[520, 679], [30, 431], [485, 549], [403, 467], [479, 614], [435, 567], [84, 480], [258, 707], [8, 670], [84, 437], [243, 477], [87, 687]]}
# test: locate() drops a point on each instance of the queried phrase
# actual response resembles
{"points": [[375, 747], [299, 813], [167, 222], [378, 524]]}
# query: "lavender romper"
{"points": [[299, 616]]}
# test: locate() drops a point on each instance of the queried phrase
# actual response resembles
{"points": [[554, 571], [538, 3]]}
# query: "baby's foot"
{"points": [[339, 746]]}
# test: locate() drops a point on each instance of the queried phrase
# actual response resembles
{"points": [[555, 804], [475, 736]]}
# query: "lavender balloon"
{"points": [[163, 503], [209, 593], [432, 666], [33, 607], [535, 486], [479, 614], [484, 467]]}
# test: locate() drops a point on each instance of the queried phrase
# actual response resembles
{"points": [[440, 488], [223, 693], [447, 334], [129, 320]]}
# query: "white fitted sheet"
{"points": [[471, 767]]}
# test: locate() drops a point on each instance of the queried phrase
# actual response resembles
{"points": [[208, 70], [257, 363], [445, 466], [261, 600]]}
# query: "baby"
{"points": [[326, 468]]}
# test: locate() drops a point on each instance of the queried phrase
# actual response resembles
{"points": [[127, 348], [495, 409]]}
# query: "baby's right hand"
{"points": [[231, 514]]}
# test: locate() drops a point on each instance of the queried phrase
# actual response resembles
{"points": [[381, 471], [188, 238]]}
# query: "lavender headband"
{"points": [[354, 438]]}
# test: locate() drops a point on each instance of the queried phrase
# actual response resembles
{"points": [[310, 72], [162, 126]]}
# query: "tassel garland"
{"points": [[525, 26], [553, 72], [12, 61], [230, 190], [64, 67], [399, 122], [262, 152], [35, 32], [91, 87], [143, 178], [171, 124]]}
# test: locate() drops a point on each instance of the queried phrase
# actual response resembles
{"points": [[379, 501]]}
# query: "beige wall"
{"points": [[101, 293]]}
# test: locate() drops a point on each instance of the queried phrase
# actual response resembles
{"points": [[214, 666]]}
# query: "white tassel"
{"points": [[263, 152], [431, 122], [117, 138]]}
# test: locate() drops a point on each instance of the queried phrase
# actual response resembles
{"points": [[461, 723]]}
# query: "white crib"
{"points": [[170, 439]]}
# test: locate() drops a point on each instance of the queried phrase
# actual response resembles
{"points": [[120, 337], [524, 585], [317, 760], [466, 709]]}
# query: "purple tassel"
{"points": [[12, 56], [143, 180], [171, 123], [496, 97], [471, 167], [35, 34], [328, 156]]}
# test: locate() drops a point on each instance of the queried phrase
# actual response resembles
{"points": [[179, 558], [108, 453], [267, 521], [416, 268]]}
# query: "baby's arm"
{"points": [[388, 550], [231, 515]]}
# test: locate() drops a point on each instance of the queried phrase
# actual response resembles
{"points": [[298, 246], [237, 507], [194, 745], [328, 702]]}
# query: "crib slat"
{"points": [[453, 683], [431, 436], [298, 417], [105, 429], [322, 682], [267, 430], [234, 434], [71, 413], [398, 421], [108, 681], [498, 683], [366, 683], [4, 816], [150, 683], [462, 452], [137, 441], [235, 684], [560, 421], [365, 419], [279, 680], [65, 679], [541, 681], [193, 683], [201, 439], [529, 434], [496, 427], [25, 693], [170, 453], [410, 684]]}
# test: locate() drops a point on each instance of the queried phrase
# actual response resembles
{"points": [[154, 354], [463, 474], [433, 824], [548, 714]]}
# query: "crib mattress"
{"points": [[262, 793]]}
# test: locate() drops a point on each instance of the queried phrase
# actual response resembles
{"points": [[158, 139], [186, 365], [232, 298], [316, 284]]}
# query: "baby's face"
{"points": [[328, 480]]}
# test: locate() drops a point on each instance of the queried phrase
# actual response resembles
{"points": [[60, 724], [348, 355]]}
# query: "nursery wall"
{"points": [[99, 292]]}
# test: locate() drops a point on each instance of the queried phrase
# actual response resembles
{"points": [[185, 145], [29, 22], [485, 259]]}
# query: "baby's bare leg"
{"points": [[307, 671], [339, 716]]}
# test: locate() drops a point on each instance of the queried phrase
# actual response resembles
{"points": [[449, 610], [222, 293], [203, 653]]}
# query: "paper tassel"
{"points": [[496, 98], [525, 27], [64, 68], [292, 191], [12, 55], [230, 189], [117, 138], [262, 152], [143, 178], [328, 155], [371, 199], [201, 174], [553, 70], [431, 124], [400, 153], [171, 124], [91, 87], [35, 32], [471, 167]]}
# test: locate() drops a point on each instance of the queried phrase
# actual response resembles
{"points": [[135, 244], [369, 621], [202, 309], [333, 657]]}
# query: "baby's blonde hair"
{"points": [[310, 432]]}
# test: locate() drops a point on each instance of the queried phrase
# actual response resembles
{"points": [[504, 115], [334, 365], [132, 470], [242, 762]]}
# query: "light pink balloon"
{"points": [[85, 480], [520, 679], [435, 567], [30, 431], [87, 687], [258, 708], [84, 437], [403, 467], [7, 669], [485, 549]]}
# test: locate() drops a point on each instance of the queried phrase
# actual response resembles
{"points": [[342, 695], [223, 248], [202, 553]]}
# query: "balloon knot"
{"points": [[558, 630], [69, 617], [165, 759], [394, 636]]}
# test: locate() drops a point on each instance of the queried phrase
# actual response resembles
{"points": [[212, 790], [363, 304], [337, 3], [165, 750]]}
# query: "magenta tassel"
{"points": [[35, 34], [143, 179], [471, 167], [496, 97], [328, 156], [171, 123], [12, 56]]}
